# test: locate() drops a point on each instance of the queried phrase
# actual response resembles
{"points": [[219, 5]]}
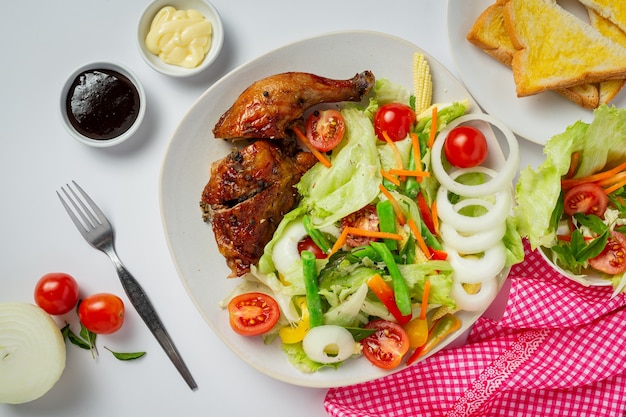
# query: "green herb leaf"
{"points": [[592, 222], [359, 333], [126, 356], [76, 340]]}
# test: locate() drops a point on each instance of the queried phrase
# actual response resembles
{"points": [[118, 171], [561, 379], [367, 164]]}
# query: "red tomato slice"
{"points": [[102, 313], [587, 198], [612, 260], [465, 147], [325, 129], [386, 347], [56, 293], [395, 119], [366, 219], [253, 313], [307, 243]]}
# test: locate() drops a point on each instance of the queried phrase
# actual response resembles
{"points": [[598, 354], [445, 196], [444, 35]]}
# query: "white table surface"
{"points": [[43, 42]]}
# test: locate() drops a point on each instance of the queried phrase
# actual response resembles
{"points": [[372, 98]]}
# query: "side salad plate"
{"points": [[192, 149]]}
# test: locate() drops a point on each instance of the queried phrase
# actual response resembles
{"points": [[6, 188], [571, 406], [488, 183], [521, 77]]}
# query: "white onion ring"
{"points": [[497, 213], [475, 270], [474, 302], [318, 339], [504, 177], [285, 252], [473, 243]]}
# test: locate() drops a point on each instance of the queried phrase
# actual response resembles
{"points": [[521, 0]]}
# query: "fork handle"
{"points": [[142, 304]]}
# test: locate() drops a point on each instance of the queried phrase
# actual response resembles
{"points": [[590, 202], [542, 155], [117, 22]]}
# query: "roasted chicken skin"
{"points": [[247, 195], [269, 107]]}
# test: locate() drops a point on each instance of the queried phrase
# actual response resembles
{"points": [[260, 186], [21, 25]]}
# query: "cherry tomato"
{"points": [[386, 347], [56, 293], [253, 313], [612, 260], [307, 243], [465, 147], [366, 219], [101, 313], [395, 119], [587, 198], [325, 129]]}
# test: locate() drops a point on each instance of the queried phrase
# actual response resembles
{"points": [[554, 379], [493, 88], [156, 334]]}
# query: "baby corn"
{"points": [[422, 83]]}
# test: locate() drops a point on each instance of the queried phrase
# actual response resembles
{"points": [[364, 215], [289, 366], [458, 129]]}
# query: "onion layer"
{"points": [[472, 243], [328, 344], [499, 182], [496, 212], [473, 269], [32, 353], [474, 302]]}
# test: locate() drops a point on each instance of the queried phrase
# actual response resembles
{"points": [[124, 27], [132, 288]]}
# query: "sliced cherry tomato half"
{"points": [[307, 243], [56, 293], [465, 147], [325, 129], [366, 219], [612, 260], [387, 346], [102, 313], [395, 119], [587, 198], [253, 313]]}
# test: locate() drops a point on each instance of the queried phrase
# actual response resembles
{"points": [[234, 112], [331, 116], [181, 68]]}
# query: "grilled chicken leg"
{"points": [[248, 194], [269, 107]]}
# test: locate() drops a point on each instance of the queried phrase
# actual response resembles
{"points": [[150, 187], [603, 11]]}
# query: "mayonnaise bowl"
{"points": [[102, 104], [176, 49]]}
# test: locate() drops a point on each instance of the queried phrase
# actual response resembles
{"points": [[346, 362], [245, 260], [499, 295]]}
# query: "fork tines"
{"points": [[81, 206]]}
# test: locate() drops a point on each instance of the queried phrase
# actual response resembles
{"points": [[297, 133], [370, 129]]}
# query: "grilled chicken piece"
{"points": [[269, 107], [246, 197]]}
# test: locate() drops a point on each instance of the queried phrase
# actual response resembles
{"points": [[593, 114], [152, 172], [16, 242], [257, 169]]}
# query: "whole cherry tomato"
{"points": [[102, 313], [56, 293], [394, 119], [465, 147]]}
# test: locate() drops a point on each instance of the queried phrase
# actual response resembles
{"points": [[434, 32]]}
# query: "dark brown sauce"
{"points": [[102, 104]]}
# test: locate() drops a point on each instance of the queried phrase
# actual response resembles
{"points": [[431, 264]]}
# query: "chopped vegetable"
{"points": [[386, 295], [422, 83], [387, 221], [305, 141], [400, 289], [443, 327], [313, 300]]}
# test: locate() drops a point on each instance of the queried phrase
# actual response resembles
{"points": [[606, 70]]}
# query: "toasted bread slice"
{"points": [[608, 89], [613, 10], [488, 33], [556, 49]]}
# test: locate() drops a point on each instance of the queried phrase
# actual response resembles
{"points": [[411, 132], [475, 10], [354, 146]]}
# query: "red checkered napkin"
{"points": [[559, 350]]}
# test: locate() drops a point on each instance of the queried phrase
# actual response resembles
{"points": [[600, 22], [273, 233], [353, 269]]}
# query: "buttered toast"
{"points": [[555, 49], [612, 10]]}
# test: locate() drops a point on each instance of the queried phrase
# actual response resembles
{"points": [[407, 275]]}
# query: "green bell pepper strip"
{"points": [[387, 221], [442, 327], [311, 286], [400, 288], [318, 237]]}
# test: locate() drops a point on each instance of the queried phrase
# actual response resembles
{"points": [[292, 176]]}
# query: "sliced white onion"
{"points": [[472, 243], [473, 269], [328, 344], [478, 301], [32, 352], [504, 177], [496, 212], [285, 252]]}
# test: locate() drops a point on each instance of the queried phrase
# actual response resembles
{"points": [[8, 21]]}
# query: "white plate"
{"points": [[535, 118], [192, 148]]}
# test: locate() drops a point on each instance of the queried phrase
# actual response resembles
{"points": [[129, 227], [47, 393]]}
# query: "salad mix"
{"points": [[390, 237], [573, 205]]}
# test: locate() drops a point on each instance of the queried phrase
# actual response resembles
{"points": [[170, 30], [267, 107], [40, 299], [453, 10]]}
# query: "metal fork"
{"points": [[97, 230]]}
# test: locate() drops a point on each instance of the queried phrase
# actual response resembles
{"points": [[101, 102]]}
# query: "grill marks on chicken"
{"points": [[247, 195], [269, 107]]}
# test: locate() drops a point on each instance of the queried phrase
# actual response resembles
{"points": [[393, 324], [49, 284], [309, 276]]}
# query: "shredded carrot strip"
{"points": [[390, 177], [435, 216], [573, 166], [417, 154], [419, 238], [305, 141], [569, 183], [612, 180], [409, 173], [341, 240], [615, 186], [394, 203], [433, 128], [396, 152], [424, 308]]}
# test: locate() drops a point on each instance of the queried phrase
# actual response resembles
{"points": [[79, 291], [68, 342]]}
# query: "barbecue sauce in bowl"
{"points": [[102, 104]]}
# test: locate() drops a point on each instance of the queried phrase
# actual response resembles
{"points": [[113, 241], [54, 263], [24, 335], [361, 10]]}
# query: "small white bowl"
{"points": [[591, 279], [204, 7], [124, 133]]}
